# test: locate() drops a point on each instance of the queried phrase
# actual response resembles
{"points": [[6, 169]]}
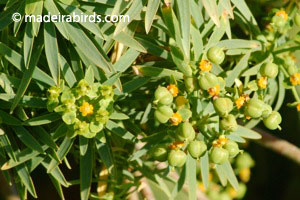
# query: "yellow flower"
{"points": [[282, 14], [205, 66], [86, 109], [262, 82], [181, 101], [175, 119], [232, 192], [202, 187], [176, 145], [248, 117], [298, 107], [295, 79], [240, 102], [173, 89], [245, 174], [269, 28], [214, 91], [222, 140]]}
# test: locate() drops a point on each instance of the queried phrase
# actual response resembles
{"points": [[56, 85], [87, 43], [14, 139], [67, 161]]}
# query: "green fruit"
{"points": [[241, 191], [229, 123], [232, 148], [224, 196], [255, 108], [267, 111], [218, 155], [163, 114], [223, 106], [176, 158], [273, 120], [207, 80], [163, 96], [196, 148], [190, 84], [216, 55], [160, 153], [292, 69], [279, 22], [244, 160], [269, 70], [185, 131], [297, 19]]}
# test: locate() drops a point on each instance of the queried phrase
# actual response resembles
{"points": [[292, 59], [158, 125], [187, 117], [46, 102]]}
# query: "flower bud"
{"points": [[218, 155], [176, 158], [273, 120], [269, 70], [163, 96], [223, 106], [232, 148], [163, 114], [196, 148], [216, 55], [208, 80], [254, 108], [228, 123]]}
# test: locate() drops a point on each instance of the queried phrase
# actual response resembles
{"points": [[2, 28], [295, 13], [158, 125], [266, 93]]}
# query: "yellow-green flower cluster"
{"points": [[85, 108]]}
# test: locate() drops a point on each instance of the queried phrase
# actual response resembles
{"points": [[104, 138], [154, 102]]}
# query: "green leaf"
{"points": [[246, 12], [58, 187], [90, 26], [151, 10], [134, 84], [30, 7], [118, 116], [113, 79], [221, 174], [26, 179], [119, 131], [229, 173], [158, 72], [89, 75], [185, 114], [241, 65], [86, 168], [246, 133], [179, 184], [51, 50], [55, 173], [67, 71], [27, 138], [44, 137], [204, 166], [37, 11], [43, 119], [191, 177], [212, 10], [281, 92], [106, 156], [16, 59], [134, 10], [185, 21], [27, 101], [9, 119], [27, 77], [28, 43], [126, 60], [62, 152], [83, 145]]}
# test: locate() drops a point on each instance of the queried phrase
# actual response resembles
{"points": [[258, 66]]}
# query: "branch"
{"points": [[278, 145]]}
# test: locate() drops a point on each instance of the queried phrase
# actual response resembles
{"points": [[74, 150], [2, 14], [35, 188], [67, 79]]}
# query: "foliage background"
{"points": [[273, 177]]}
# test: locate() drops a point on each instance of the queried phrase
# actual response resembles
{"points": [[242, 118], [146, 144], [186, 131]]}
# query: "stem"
{"points": [[279, 146]]}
